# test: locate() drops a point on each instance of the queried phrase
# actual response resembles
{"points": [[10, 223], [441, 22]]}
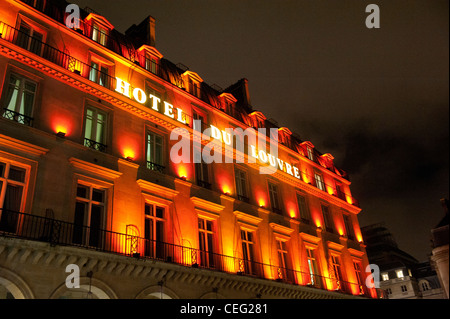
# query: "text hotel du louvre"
{"points": [[126, 176]]}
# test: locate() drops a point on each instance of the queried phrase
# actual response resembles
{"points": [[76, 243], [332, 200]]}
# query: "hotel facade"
{"points": [[91, 123]]}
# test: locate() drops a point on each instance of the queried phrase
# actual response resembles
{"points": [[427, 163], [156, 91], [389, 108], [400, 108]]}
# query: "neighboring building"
{"points": [[401, 275], [87, 177], [439, 259]]}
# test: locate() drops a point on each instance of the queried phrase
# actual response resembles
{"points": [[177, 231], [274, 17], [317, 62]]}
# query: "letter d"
{"points": [[73, 280]]}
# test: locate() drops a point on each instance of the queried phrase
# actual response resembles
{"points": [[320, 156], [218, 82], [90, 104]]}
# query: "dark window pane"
{"points": [[82, 191], [16, 174], [97, 195], [77, 237], [159, 212]]}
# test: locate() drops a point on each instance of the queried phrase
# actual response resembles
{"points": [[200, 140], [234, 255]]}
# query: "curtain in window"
{"points": [[26, 106], [12, 93]]}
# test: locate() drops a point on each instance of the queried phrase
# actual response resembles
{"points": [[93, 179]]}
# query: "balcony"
{"points": [[17, 117], [58, 232], [155, 167], [95, 145]]}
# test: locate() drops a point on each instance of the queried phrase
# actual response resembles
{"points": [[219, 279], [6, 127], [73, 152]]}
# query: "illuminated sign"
{"points": [[140, 97], [226, 136]]}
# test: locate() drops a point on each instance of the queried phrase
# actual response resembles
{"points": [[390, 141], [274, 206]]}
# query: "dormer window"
{"points": [[192, 83], [100, 28], [259, 119], [99, 34], [150, 58], [228, 102], [308, 150], [151, 64], [284, 136], [194, 87]]}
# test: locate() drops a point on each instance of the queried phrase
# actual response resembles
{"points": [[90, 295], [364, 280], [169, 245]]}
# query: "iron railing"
{"points": [[105, 79], [17, 117], [95, 145], [58, 232], [155, 167]]}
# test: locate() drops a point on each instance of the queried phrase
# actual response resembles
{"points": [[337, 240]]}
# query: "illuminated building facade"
{"points": [[86, 177]]}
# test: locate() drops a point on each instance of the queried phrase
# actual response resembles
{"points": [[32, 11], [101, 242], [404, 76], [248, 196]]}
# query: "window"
{"points": [[358, 271], [404, 288], [339, 192], [425, 285], [389, 291], [89, 217], [151, 64], [29, 38], [310, 153], [155, 151], [303, 208], [312, 267], [206, 243], [319, 181], [385, 276], [274, 200], [283, 262], [399, 273], [95, 129], [154, 231], [327, 218], [248, 263], [337, 271], [196, 116], [99, 34], [241, 185], [19, 100], [194, 87], [202, 175], [99, 73], [12, 190], [348, 226]]}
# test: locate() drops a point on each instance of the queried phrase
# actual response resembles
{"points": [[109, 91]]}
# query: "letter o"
{"points": [[139, 95], [262, 156]]}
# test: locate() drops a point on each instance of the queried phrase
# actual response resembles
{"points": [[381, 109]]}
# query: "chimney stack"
{"points": [[144, 33]]}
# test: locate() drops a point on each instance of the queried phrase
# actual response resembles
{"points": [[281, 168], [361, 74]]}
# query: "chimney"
{"points": [[144, 33], [151, 35]]}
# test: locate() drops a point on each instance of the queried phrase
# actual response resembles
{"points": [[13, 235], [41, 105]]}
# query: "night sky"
{"points": [[376, 99]]}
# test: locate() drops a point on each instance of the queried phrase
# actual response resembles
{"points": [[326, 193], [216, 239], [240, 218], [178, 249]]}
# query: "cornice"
{"points": [[22, 146]]}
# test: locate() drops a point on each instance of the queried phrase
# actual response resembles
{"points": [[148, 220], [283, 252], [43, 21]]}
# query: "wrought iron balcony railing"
{"points": [[95, 145], [155, 167], [58, 232], [17, 117]]}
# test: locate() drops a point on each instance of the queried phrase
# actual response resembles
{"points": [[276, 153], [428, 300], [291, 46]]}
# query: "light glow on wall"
{"points": [[182, 171], [61, 124]]}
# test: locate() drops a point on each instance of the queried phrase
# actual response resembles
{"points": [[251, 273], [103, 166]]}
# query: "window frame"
{"points": [[87, 214], [208, 238], [328, 221], [238, 174], [152, 163], [27, 119], [6, 180], [103, 145], [306, 216], [274, 197], [34, 27], [152, 246]]}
